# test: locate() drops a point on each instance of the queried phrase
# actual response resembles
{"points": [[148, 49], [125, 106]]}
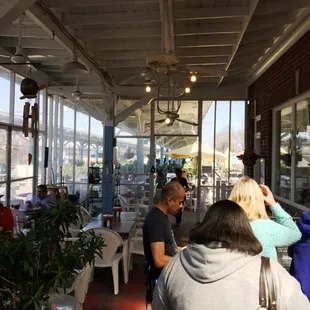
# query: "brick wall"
{"points": [[274, 87]]}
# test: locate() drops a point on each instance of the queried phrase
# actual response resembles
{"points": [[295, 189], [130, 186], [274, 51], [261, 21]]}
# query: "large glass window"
{"points": [[283, 184], [21, 156], [18, 103], [292, 153], [302, 153], [96, 142], [68, 144], [5, 95], [81, 147]]}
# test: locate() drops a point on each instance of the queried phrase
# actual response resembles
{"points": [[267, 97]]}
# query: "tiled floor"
{"points": [[132, 295]]}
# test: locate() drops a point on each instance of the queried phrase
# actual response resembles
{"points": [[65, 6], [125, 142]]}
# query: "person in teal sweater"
{"points": [[271, 234]]}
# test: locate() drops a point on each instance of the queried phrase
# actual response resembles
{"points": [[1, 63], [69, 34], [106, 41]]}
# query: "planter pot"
{"points": [[249, 162], [129, 155]]}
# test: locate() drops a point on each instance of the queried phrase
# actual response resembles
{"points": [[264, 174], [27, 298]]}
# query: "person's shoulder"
{"points": [[173, 264], [154, 216]]}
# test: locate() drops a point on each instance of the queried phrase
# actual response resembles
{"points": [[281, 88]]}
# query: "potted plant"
{"points": [[33, 265], [248, 158]]}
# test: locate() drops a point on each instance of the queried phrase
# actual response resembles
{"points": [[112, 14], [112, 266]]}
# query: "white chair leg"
{"points": [[92, 275], [125, 269], [131, 261], [115, 277]]}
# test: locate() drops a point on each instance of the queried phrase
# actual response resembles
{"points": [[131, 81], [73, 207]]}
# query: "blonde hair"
{"points": [[248, 195]]}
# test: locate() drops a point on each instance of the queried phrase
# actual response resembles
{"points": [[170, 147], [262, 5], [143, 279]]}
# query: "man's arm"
{"points": [[158, 253]]}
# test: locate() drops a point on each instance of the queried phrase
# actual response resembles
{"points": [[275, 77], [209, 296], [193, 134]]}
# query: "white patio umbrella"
{"points": [[191, 150]]}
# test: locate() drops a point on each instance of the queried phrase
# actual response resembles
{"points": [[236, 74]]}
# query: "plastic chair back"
{"points": [[112, 241]]}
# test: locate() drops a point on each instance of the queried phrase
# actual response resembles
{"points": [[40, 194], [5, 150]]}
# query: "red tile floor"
{"points": [[131, 296]]}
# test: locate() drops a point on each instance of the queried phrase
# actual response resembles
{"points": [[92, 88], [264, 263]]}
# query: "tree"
{"points": [[236, 143]]}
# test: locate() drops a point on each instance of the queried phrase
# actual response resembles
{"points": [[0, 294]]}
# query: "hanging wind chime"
{"points": [[30, 88]]}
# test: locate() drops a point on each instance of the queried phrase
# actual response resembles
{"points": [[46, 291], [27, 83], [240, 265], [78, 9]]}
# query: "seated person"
{"points": [[6, 219], [41, 200]]}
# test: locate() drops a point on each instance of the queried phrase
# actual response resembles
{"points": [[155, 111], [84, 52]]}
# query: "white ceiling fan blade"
{"points": [[5, 56], [207, 70]]}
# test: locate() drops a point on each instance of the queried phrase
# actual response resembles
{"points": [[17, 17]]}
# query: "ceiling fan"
{"points": [[171, 117], [19, 58], [168, 64]]}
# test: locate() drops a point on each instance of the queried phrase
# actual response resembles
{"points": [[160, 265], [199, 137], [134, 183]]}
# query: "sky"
{"points": [[222, 119]]}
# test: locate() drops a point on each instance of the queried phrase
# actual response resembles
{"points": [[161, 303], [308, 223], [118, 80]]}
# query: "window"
{"points": [[21, 156], [96, 141], [5, 95], [81, 147], [291, 159], [18, 103], [68, 144]]}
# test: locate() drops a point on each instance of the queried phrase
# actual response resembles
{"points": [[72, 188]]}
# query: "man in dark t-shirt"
{"points": [[158, 239]]}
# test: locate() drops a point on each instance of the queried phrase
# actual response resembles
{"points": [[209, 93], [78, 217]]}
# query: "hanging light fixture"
{"points": [[148, 88], [187, 90], [167, 120], [193, 77]]}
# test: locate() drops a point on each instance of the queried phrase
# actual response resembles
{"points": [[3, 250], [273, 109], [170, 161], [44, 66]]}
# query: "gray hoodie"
{"points": [[216, 279]]}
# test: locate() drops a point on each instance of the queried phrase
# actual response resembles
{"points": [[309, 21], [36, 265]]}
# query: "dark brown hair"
{"points": [[226, 223], [43, 186]]}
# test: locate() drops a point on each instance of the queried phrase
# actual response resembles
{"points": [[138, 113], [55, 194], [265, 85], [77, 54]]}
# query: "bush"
{"points": [[34, 264]]}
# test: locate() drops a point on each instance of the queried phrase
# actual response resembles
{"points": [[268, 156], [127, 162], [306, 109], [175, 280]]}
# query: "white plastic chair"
{"points": [[126, 206], [83, 220], [136, 244], [80, 286], [110, 256]]}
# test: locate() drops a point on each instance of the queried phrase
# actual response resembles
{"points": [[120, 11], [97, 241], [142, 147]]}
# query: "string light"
{"points": [[187, 90]]}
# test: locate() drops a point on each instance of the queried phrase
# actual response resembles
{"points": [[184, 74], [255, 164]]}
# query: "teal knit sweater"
{"points": [[279, 233]]}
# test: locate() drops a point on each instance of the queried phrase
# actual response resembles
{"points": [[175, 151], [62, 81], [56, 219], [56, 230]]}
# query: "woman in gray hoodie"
{"points": [[220, 269]]}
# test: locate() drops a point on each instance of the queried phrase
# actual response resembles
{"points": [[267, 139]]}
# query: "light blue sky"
{"points": [[222, 119]]}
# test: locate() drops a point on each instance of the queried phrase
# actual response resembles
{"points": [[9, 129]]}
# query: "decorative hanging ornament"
{"points": [[30, 88]]}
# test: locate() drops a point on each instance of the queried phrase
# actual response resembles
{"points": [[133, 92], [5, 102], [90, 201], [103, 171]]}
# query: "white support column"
{"points": [[74, 151], [198, 212], [12, 97], [50, 138], [44, 136], [60, 134], [55, 137]]}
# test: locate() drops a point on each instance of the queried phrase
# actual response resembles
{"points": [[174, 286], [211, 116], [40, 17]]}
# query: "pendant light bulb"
{"points": [[167, 120], [148, 88], [193, 78], [187, 90]]}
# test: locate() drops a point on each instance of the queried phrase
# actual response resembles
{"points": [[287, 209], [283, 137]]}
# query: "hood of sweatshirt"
{"points": [[304, 223], [206, 264]]}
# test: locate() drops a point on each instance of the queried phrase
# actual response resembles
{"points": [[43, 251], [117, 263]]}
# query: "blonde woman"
{"points": [[271, 234]]}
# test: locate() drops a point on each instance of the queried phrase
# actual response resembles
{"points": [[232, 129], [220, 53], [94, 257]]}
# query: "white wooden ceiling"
{"points": [[114, 37]]}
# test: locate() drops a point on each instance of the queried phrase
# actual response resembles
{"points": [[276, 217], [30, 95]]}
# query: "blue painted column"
{"points": [[162, 150], [107, 174]]}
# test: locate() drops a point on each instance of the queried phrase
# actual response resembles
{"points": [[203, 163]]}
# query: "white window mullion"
{"points": [[50, 138], [74, 150]]}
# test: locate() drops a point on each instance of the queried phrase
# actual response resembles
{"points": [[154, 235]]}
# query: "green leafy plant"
{"points": [[33, 265]]}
